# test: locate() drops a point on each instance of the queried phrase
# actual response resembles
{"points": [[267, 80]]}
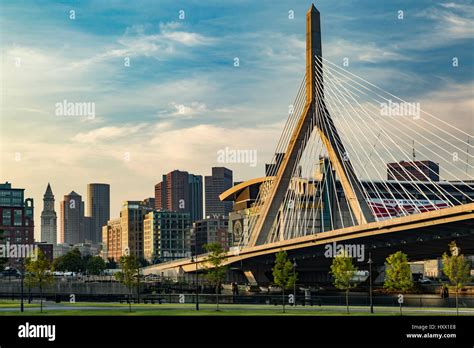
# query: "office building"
{"points": [[112, 239], [218, 182], [413, 171], [180, 192], [98, 210], [16, 215], [72, 229], [166, 236], [132, 216], [208, 231]]}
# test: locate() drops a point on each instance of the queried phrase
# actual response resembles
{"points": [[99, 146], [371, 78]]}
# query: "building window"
{"points": [[6, 217], [17, 218]]}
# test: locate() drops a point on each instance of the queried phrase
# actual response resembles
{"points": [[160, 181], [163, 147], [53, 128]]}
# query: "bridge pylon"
{"points": [[314, 117]]}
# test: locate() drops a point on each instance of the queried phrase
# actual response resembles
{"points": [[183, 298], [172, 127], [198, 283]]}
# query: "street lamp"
{"points": [[22, 277], [197, 282], [294, 283], [370, 282]]}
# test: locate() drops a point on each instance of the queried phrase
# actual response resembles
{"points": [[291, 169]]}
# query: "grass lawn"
{"points": [[172, 309]]}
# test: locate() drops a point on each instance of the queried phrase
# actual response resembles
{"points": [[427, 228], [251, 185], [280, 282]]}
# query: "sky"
{"points": [[167, 93]]}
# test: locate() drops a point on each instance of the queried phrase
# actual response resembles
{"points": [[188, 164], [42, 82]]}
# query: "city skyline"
{"points": [[242, 159], [148, 121]]}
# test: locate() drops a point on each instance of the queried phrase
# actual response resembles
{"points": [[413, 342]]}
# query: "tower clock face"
{"points": [[237, 230]]}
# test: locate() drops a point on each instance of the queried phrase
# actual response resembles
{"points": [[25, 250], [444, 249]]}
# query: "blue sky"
{"points": [[182, 99]]}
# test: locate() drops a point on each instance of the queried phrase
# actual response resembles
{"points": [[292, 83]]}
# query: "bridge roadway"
{"points": [[431, 231]]}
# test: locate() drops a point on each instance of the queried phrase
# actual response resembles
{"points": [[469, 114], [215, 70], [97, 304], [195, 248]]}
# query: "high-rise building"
{"points": [[208, 231], [131, 216], [112, 239], [48, 218], [180, 192], [150, 202], [195, 206], [72, 230], [271, 169], [218, 182], [166, 236], [47, 249], [98, 209], [413, 171], [16, 216]]}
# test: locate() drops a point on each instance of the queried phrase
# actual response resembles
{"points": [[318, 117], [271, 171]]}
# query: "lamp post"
{"points": [[197, 281], [370, 283], [197, 285], [22, 277], [294, 283]]}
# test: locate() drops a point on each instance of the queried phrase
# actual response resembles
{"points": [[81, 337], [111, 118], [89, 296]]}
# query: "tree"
{"points": [[111, 264], [39, 273], [343, 271], [397, 273], [213, 263], [130, 274], [283, 273], [457, 269], [95, 265], [143, 262], [72, 262]]}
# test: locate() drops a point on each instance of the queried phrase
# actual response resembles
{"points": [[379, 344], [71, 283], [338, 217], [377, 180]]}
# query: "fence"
{"points": [[301, 300]]}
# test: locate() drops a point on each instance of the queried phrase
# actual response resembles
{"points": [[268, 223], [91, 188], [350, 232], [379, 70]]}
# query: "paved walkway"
{"points": [[229, 307]]}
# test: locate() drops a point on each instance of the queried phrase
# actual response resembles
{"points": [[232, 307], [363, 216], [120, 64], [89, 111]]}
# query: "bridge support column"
{"points": [[255, 277]]}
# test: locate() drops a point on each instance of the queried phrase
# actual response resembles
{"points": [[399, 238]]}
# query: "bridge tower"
{"points": [[329, 136]]}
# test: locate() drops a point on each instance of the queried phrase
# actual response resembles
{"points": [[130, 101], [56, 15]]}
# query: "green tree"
{"points": [[343, 271], [215, 270], [111, 264], [283, 273], [397, 273], [95, 265], [457, 269], [129, 275], [72, 262], [39, 273]]}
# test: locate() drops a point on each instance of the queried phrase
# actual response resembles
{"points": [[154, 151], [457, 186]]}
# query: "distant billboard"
{"points": [[390, 208]]}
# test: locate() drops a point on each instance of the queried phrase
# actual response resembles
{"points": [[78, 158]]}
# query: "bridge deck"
{"points": [[448, 215]]}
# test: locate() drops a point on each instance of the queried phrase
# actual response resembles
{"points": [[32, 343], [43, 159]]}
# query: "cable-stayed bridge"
{"points": [[328, 183]]}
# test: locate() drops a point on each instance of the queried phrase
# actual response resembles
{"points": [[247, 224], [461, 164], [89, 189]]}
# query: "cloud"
{"points": [[107, 133], [364, 52], [195, 108], [136, 43], [447, 23]]}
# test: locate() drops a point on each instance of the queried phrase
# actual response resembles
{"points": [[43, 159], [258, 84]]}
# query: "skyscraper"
{"points": [[218, 182], [195, 207], [180, 192], [48, 218], [72, 219], [98, 209]]}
